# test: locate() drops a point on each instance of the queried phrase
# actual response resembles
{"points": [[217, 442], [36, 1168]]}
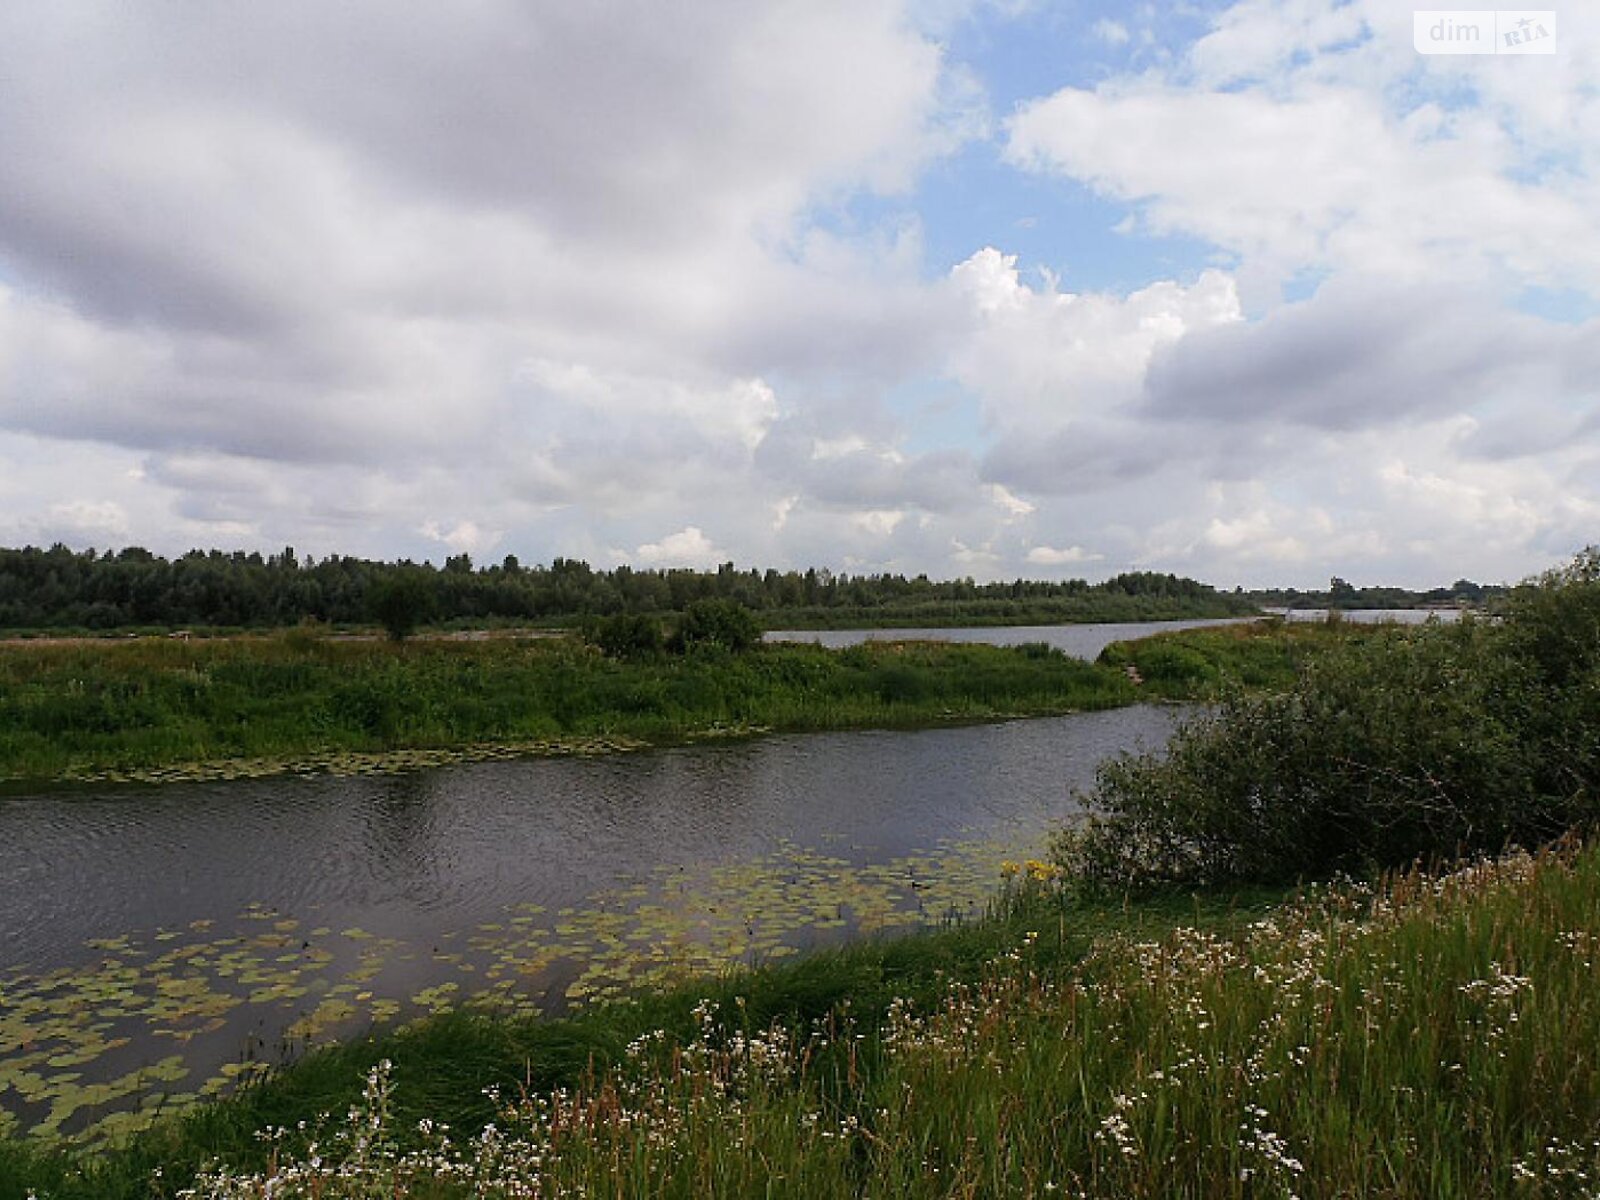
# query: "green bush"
{"points": [[718, 624], [1176, 664], [400, 601], [1421, 743], [625, 635], [896, 683]]}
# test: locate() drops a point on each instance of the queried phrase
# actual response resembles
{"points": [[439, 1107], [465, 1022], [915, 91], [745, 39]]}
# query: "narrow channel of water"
{"points": [[167, 940], [1080, 641], [1087, 641]]}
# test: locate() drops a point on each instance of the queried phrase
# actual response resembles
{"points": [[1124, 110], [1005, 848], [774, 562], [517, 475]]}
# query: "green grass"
{"points": [[155, 709], [138, 706], [1433, 1036], [76, 710], [1190, 664]]}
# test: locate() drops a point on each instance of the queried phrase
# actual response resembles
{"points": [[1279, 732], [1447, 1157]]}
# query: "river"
{"points": [[1086, 641], [165, 942], [1080, 641]]}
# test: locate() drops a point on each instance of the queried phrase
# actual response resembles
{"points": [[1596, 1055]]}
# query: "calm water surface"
{"points": [[427, 852], [1086, 641], [1080, 641], [213, 923]]}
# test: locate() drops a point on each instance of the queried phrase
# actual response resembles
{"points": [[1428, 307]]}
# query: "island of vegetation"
{"points": [[220, 665], [155, 709], [1341, 940]]}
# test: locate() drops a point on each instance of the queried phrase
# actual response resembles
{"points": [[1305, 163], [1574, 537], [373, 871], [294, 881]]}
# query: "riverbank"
{"points": [[158, 710], [1417, 1038]]}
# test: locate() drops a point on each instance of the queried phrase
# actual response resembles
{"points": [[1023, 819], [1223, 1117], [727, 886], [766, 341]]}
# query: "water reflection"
{"points": [[153, 935], [1081, 641], [1088, 640], [448, 847]]}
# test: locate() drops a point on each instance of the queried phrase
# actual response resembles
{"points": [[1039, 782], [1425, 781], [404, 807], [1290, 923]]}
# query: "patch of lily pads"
{"points": [[353, 762], [146, 1025]]}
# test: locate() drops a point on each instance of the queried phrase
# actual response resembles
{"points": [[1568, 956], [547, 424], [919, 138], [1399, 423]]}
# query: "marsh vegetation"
{"points": [[155, 708], [158, 709]]}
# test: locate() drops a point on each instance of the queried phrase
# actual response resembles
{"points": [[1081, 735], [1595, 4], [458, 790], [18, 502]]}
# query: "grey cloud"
{"points": [[875, 332], [1357, 354], [1534, 429], [640, 126], [314, 233], [1085, 457], [252, 419]]}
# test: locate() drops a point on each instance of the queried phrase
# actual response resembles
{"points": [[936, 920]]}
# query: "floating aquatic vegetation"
{"points": [[351, 762], [93, 1052]]}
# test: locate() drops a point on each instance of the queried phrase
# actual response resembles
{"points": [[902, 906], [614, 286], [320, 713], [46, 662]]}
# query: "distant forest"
{"points": [[1340, 594], [62, 589]]}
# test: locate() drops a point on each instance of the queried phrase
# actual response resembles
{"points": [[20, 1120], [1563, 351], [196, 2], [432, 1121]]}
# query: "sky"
{"points": [[1252, 292]]}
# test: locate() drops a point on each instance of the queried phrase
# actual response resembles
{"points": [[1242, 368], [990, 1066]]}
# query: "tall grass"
{"points": [[1266, 655], [70, 710], [1433, 1036]]}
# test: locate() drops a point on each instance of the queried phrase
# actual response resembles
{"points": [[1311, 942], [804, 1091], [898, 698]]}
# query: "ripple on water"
{"points": [[170, 940]]}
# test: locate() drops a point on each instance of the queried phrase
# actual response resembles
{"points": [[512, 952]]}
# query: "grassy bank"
{"points": [[1428, 1037], [1260, 656], [154, 709], [81, 711]]}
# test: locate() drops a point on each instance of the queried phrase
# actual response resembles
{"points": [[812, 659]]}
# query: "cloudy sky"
{"points": [[1248, 291]]}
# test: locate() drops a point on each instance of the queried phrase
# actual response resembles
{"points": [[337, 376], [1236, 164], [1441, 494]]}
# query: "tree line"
{"points": [[60, 588], [1345, 595]]}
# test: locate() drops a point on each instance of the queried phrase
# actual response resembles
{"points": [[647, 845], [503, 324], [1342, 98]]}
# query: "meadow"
{"points": [[153, 709]]}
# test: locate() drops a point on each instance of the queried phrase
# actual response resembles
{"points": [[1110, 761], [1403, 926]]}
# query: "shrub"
{"points": [[897, 683], [400, 601], [1416, 744], [625, 635], [305, 637], [717, 623], [1169, 662]]}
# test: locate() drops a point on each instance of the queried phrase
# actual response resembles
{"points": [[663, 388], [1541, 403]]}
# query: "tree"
{"points": [[400, 601], [625, 635], [719, 623]]}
